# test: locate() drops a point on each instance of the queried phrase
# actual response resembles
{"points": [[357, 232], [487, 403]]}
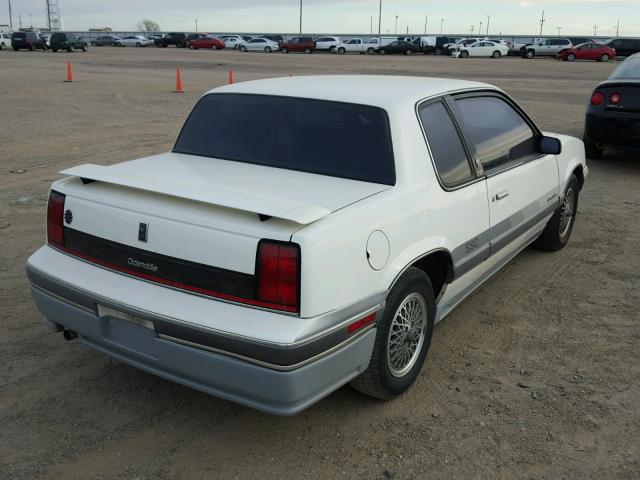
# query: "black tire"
{"points": [[70, 48], [332, 50], [84, 48], [308, 51], [284, 50], [496, 54], [342, 51], [31, 48], [409, 52], [377, 380], [530, 54], [557, 233], [382, 51], [464, 54], [591, 149], [15, 49], [118, 44], [164, 45], [604, 58], [214, 47], [267, 49], [243, 48], [571, 57], [370, 51], [54, 50]]}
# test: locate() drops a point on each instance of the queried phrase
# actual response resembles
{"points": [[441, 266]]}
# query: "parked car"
{"points": [[436, 45], [68, 42], [580, 40], [545, 47], [298, 44], [462, 43], [358, 45], [613, 114], [27, 41], [195, 36], [587, 51], [260, 45], [105, 40], [5, 41], [174, 38], [289, 261], [484, 48], [46, 38], [399, 46], [625, 47], [211, 42], [233, 41], [134, 41], [327, 44], [275, 38]]}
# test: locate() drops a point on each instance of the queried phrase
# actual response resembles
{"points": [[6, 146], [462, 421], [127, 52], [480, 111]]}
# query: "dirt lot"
{"points": [[536, 376]]}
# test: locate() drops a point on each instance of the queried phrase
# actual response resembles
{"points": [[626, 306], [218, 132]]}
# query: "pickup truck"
{"points": [[358, 45], [271, 267]]}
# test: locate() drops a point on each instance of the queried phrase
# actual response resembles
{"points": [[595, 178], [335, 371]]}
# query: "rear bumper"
{"points": [[614, 128], [269, 390]]}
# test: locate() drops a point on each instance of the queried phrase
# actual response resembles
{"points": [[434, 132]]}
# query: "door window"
{"points": [[448, 154], [498, 131]]}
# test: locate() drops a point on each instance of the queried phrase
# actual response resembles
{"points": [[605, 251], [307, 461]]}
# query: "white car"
{"points": [[358, 45], [452, 47], [328, 44], [485, 48], [134, 41], [270, 266], [5, 41], [260, 45], [233, 41]]}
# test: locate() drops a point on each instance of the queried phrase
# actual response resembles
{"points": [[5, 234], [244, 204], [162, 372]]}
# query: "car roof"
{"points": [[376, 90]]}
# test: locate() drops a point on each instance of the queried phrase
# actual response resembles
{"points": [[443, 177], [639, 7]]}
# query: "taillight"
{"points": [[615, 98], [55, 214], [278, 275], [597, 98]]}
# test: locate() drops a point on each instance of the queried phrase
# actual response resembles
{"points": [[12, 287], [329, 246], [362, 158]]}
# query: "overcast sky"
{"points": [[341, 16]]}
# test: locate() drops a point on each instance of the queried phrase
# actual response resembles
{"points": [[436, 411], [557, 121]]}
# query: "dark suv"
{"points": [[177, 39], [27, 40], [625, 47], [67, 41]]}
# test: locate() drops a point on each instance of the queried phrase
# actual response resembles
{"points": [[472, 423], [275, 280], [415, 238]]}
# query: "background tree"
{"points": [[147, 25]]}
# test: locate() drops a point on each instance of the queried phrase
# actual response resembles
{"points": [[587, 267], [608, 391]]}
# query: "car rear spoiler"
{"points": [[263, 205]]}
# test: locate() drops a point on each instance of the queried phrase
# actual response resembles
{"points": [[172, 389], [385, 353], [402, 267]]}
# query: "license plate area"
{"points": [[127, 331]]}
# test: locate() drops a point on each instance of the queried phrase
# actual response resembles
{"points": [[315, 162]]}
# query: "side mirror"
{"points": [[550, 146]]}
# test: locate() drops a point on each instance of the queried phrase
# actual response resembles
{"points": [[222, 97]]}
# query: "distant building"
{"points": [[5, 29]]}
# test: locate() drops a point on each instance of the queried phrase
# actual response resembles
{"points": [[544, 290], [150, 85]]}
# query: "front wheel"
{"points": [[332, 50], [403, 336], [138, 44], [557, 232], [267, 49], [464, 54], [284, 50], [529, 54], [70, 48], [409, 52], [307, 51], [496, 54], [214, 47], [341, 51], [118, 44], [370, 51], [84, 48], [571, 57], [383, 51], [243, 48]]}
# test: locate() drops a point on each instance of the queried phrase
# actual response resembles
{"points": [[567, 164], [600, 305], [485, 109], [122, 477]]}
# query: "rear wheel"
{"points": [[496, 54], [403, 337], [558, 231], [571, 57], [604, 58], [332, 50], [267, 49], [284, 50], [529, 54], [243, 48], [307, 51], [370, 51], [138, 44], [382, 51], [118, 44], [341, 51], [214, 47], [409, 52]]}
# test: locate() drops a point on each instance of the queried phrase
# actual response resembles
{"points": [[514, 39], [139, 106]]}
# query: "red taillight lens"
{"points": [[278, 273], [55, 214], [615, 98], [597, 98]]}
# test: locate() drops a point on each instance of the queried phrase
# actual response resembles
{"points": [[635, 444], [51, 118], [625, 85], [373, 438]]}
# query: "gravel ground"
{"points": [[536, 376]]}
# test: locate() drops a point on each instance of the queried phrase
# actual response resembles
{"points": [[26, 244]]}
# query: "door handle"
{"points": [[501, 195]]}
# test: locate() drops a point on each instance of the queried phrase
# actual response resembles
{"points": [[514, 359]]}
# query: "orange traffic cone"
{"points": [[178, 81], [232, 77], [69, 73]]}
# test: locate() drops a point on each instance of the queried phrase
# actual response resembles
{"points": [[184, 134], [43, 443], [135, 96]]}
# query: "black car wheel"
{"points": [[138, 44], [307, 51], [341, 51], [529, 54], [31, 48], [409, 52], [496, 54], [243, 48], [464, 54], [370, 51], [604, 58], [571, 57], [54, 50], [84, 48], [267, 49], [558, 231], [284, 50], [214, 47], [2, 47], [16, 49], [179, 44], [403, 337], [382, 51], [70, 48]]}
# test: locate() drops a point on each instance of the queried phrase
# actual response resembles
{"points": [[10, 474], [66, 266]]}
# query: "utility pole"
{"points": [[196, 24], [559, 30], [441, 25], [595, 30], [472, 29], [300, 17], [20, 19], [426, 21], [396, 29], [407, 29], [480, 29], [488, 20], [617, 25], [542, 22], [30, 20], [380, 18], [10, 17]]}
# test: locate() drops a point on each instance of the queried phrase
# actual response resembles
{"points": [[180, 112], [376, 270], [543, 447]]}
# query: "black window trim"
{"points": [[383, 110], [504, 97], [476, 175]]}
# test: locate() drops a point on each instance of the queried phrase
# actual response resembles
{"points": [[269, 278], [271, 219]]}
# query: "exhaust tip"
{"points": [[69, 335]]}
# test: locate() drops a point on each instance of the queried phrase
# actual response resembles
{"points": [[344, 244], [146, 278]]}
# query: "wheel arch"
{"points": [[437, 264]]}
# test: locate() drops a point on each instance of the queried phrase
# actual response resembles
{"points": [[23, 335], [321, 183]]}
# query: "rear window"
{"points": [[19, 35], [317, 136], [629, 70]]}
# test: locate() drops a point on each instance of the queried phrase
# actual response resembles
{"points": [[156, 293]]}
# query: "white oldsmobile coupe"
{"points": [[270, 266]]}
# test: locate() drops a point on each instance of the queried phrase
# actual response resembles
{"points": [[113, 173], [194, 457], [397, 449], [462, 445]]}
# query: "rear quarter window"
{"points": [[317, 136]]}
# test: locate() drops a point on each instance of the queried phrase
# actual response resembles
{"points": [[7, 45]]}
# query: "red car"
{"points": [[207, 42], [298, 44], [587, 51]]}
